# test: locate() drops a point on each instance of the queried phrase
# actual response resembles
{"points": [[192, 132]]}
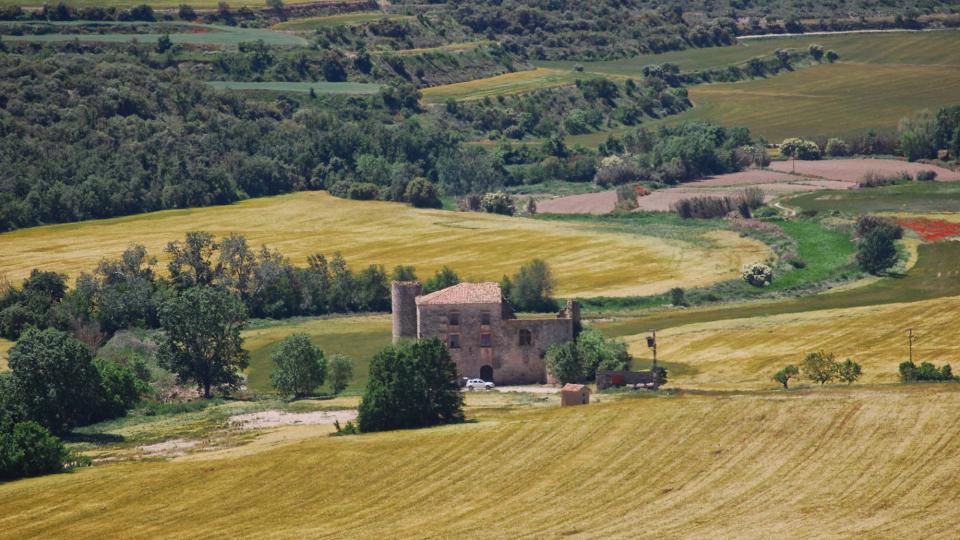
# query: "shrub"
{"points": [[786, 374], [820, 367], [832, 56], [627, 197], [617, 170], [918, 135], [29, 449], [836, 148], [120, 388], [849, 371], [882, 225], [757, 274], [925, 372], [874, 179], [469, 203], [563, 363], [363, 191], [703, 207], [497, 202], [299, 366], [599, 353], [422, 193], [411, 384], [876, 252], [678, 297], [341, 372], [926, 176]]}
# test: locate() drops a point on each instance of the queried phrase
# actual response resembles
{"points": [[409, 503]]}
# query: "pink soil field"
{"points": [[771, 182], [853, 170]]}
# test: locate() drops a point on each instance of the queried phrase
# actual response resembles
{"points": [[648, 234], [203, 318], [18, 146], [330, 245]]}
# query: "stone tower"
{"points": [[403, 304]]}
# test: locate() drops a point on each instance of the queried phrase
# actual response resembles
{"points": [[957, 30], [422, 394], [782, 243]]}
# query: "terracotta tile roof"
{"points": [[465, 293], [570, 387]]}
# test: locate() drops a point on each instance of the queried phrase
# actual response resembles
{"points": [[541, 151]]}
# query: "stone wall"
{"points": [[403, 306]]}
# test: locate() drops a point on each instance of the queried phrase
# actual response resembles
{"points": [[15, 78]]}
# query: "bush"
{"points": [[580, 360], [926, 176], [363, 191], [497, 202], [704, 207], [341, 372], [469, 203], [786, 374], [874, 179], [918, 135], [626, 197], [757, 274], [121, 388], [421, 193], [876, 252], [411, 384], [836, 148], [299, 366], [617, 170], [800, 149], [849, 371], [563, 363], [678, 297], [925, 372], [29, 449], [882, 225]]}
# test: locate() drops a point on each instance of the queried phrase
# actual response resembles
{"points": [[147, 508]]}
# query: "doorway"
{"points": [[486, 373]]}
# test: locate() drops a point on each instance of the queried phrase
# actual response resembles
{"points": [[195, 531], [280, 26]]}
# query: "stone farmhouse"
{"points": [[485, 338]]}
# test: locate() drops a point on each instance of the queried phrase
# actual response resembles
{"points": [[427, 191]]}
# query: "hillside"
{"points": [[877, 462]]}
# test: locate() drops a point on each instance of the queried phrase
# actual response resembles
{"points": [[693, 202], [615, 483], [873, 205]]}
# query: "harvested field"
{"points": [[332, 21], [834, 462], [853, 170], [587, 261], [772, 183], [745, 353], [270, 419], [509, 83]]}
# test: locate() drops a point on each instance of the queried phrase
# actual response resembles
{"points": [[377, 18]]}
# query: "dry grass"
{"points": [[4, 351], [507, 84], [586, 260], [866, 462], [745, 353]]}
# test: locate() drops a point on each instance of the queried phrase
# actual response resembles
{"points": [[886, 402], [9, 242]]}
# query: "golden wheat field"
{"points": [[745, 353], [586, 260], [878, 462], [501, 85]]}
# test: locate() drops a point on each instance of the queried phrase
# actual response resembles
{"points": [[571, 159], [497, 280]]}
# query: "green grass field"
{"points": [[203, 35], [299, 87], [839, 462], [343, 19], [915, 197], [507, 84], [357, 337], [586, 260]]}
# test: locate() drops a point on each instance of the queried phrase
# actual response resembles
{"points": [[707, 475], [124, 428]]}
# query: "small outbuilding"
{"points": [[574, 394]]}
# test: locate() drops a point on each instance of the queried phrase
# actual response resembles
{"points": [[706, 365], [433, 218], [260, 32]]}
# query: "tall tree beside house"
{"points": [[531, 288], [411, 384], [202, 342]]}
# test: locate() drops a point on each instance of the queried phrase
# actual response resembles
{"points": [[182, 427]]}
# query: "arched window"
{"points": [[526, 338]]}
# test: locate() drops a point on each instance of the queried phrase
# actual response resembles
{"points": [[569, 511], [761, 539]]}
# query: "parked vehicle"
{"points": [[479, 384]]}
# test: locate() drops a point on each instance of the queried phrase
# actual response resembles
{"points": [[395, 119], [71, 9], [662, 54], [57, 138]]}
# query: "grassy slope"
{"points": [[875, 462], [586, 260], [4, 351], [301, 87], [745, 353], [357, 337], [934, 276], [343, 19], [914, 197]]}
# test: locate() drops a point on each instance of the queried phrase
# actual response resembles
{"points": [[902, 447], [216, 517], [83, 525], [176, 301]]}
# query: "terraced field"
{"points": [[300, 87], [586, 260], [866, 462], [199, 34], [510, 83]]}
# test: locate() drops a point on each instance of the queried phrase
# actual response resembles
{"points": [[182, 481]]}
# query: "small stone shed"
{"points": [[574, 394]]}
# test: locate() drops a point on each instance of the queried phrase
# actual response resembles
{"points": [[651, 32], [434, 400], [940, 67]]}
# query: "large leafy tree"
{"points": [[412, 384], [54, 380], [531, 288], [202, 342], [299, 366]]}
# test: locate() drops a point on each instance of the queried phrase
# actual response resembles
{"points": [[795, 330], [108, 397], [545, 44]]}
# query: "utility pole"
{"points": [[910, 339], [652, 343]]}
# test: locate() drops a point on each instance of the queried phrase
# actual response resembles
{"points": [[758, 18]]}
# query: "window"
{"points": [[453, 319], [453, 341], [526, 338], [485, 340], [485, 319]]}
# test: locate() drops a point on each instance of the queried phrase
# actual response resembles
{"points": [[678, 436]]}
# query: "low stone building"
{"points": [[574, 394], [485, 338]]}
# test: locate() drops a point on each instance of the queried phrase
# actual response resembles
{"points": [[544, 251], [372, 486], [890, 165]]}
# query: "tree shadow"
{"points": [[98, 439]]}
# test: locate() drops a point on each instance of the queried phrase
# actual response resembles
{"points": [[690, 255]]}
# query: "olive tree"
{"points": [[786, 374], [849, 371], [820, 367]]}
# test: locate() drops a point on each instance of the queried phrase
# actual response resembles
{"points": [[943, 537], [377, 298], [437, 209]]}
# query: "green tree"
{"points": [[299, 366], [411, 384], [120, 388], [29, 449], [468, 169], [403, 273], [832, 56], [563, 362], [820, 367], [596, 352], [341, 372], [202, 342], [445, 277], [531, 288], [54, 380], [191, 263], [816, 51], [497, 202], [849, 371], [786, 374], [164, 43], [876, 252], [918, 135]]}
